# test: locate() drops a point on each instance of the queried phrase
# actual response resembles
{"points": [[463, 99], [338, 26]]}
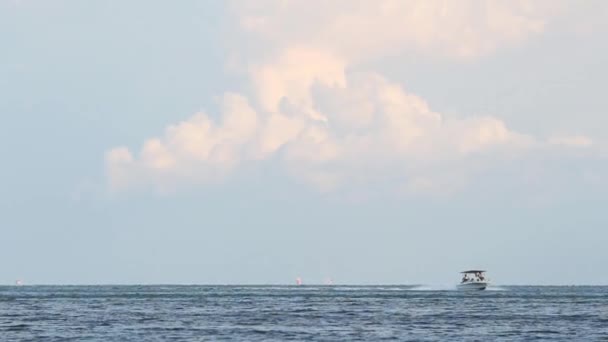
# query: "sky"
{"points": [[254, 142]]}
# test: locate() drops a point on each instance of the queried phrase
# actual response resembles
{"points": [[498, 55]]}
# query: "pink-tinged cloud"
{"points": [[359, 30], [367, 119], [332, 127]]}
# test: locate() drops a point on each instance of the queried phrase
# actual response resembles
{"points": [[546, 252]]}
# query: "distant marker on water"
{"points": [[298, 281], [19, 282]]}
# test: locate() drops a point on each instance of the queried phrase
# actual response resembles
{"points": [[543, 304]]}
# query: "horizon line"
{"points": [[279, 284]]}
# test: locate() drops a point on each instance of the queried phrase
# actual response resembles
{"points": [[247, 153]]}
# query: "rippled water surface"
{"points": [[305, 313]]}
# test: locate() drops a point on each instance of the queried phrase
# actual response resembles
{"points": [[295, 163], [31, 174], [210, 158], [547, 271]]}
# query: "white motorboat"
{"points": [[473, 280]]}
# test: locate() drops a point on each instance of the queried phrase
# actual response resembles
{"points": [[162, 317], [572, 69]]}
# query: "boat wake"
{"points": [[495, 288], [450, 288], [434, 288]]}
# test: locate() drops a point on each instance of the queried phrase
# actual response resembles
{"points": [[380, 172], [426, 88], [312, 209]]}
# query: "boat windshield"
{"points": [[473, 276]]}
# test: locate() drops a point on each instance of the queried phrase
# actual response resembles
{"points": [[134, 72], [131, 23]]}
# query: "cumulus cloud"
{"points": [[328, 134], [196, 149], [328, 125]]}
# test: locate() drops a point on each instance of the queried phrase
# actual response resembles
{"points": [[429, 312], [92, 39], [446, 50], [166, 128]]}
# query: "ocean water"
{"points": [[301, 313]]}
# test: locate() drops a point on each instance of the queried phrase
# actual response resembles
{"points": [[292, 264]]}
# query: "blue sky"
{"points": [[254, 142]]}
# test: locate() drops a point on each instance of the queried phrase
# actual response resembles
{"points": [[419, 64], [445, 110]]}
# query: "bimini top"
{"points": [[473, 271]]}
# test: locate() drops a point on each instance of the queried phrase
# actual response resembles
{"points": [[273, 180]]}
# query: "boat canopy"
{"points": [[473, 271]]}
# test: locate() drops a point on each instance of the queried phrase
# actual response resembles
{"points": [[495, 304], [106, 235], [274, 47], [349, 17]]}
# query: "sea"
{"points": [[302, 313]]}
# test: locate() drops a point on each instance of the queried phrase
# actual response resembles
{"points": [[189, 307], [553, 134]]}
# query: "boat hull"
{"points": [[473, 286]]}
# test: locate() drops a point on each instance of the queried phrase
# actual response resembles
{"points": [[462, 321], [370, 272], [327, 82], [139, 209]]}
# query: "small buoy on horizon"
{"points": [[19, 282], [298, 281]]}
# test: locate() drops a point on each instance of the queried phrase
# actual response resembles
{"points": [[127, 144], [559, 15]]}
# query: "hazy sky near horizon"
{"points": [[256, 141]]}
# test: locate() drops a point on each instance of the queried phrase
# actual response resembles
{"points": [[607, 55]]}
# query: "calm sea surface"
{"points": [[303, 313]]}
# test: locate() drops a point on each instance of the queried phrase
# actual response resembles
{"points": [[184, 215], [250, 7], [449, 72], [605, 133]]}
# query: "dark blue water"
{"points": [[305, 313]]}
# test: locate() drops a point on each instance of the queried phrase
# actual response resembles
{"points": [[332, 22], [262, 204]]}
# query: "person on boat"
{"points": [[465, 278]]}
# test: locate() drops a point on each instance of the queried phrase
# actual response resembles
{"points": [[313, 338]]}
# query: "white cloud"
{"points": [[193, 150], [330, 126], [366, 120]]}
